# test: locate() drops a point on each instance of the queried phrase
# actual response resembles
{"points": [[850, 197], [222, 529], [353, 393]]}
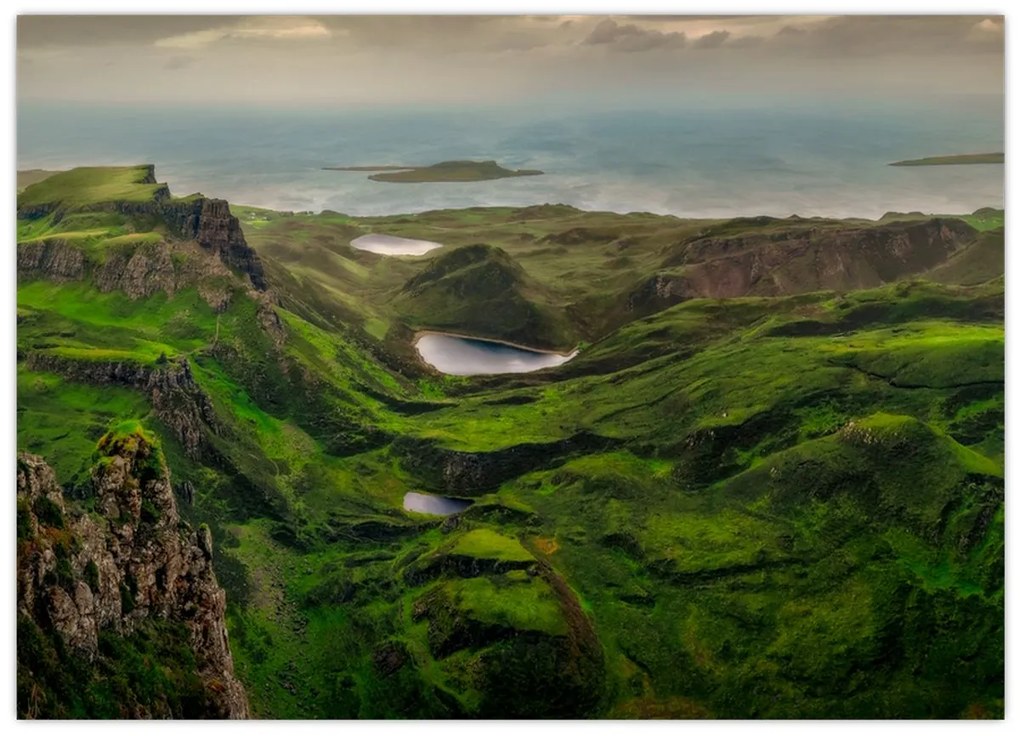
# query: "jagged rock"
{"points": [[135, 560], [138, 274], [209, 222], [187, 490]]}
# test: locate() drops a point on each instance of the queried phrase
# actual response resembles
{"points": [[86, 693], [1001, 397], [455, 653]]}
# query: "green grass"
{"points": [[523, 604], [489, 545], [94, 185], [795, 509], [62, 420]]}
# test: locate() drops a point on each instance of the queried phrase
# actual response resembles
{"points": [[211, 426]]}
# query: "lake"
{"points": [[391, 245], [426, 503], [472, 356]]}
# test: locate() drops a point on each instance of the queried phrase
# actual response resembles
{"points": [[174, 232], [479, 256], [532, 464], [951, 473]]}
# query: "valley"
{"points": [[757, 471]]}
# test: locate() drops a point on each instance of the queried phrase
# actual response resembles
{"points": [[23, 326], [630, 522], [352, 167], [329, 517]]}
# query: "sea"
{"points": [[689, 160]]}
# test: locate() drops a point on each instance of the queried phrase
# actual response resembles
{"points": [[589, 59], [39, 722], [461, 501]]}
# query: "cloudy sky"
{"points": [[371, 60]]}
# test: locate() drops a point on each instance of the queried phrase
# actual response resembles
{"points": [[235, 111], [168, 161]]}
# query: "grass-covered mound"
{"points": [[481, 291]]}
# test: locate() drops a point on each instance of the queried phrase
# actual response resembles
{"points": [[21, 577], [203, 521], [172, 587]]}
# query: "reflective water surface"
{"points": [[468, 356], [391, 245], [426, 503]]}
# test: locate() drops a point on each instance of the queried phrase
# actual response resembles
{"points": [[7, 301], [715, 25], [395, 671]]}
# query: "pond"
{"points": [[426, 503], [391, 245], [471, 356]]}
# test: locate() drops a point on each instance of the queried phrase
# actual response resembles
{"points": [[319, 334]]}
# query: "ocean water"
{"points": [[687, 161]]}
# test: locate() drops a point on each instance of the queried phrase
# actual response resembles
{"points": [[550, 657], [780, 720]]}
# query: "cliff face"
{"points": [[129, 561], [145, 270], [800, 260], [209, 222], [220, 232]]}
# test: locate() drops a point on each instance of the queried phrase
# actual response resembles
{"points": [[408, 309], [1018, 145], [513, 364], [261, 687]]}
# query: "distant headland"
{"points": [[443, 171], [965, 158]]}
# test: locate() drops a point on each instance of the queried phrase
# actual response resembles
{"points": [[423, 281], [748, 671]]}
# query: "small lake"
{"points": [[470, 356], [426, 503], [391, 245]]}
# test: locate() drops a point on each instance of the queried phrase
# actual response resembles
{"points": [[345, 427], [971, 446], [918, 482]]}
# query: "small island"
{"points": [[965, 158], [443, 171]]}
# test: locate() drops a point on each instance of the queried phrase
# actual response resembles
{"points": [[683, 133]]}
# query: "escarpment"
{"points": [[210, 224], [141, 201], [121, 563], [800, 260]]}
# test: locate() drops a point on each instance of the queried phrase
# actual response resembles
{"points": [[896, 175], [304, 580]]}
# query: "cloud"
{"points": [[266, 28], [711, 40], [630, 37], [987, 31], [179, 62], [863, 36], [745, 42]]}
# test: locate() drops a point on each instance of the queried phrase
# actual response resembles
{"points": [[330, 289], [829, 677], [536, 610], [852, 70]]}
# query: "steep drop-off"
{"points": [[92, 573]]}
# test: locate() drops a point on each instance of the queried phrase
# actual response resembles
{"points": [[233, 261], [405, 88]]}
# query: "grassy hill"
{"points": [[779, 503], [480, 289]]}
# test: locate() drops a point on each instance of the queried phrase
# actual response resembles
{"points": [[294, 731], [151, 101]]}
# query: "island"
{"points": [[964, 158], [443, 171]]}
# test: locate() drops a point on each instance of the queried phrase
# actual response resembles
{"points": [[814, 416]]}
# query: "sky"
{"points": [[365, 61]]}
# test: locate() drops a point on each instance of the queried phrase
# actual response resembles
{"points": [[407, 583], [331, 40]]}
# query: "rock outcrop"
{"points": [[196, 218], [210, 224], [130, 560], [798, 260], [176, 398], [55, 257]]}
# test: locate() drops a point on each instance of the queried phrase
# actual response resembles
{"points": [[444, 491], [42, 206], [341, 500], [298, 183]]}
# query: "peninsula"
{"points": [[965, 158]]}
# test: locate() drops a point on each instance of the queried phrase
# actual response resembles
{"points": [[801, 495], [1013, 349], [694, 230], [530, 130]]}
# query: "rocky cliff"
{"points": [[196, 218], [210, 224], [800, 259], [126, 561]]}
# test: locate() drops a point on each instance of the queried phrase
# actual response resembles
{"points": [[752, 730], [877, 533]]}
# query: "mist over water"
{"points": [[687, 162]]}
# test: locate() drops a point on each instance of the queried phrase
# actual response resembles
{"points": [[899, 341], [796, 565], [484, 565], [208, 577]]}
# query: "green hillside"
{"points": [[778, 499]]}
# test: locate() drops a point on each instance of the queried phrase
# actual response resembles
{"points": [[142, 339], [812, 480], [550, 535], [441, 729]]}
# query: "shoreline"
{"points": [[684, 217], [316, 210]]}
